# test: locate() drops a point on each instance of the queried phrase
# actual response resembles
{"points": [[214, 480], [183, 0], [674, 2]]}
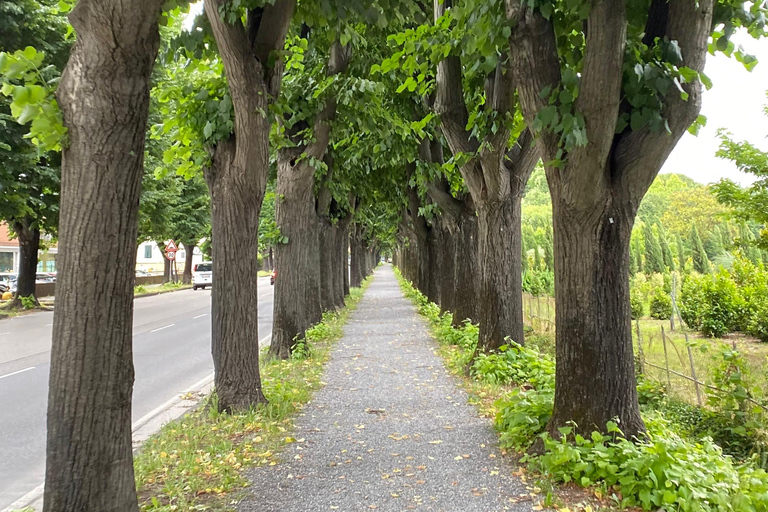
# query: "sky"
{"points": [[735, 103]]}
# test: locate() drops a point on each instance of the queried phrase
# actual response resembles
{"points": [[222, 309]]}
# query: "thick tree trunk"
{"points": [[467, 272], [296, 262], [340, 267], [346, 256], [499, 256], [189, 250], [236, 196], [29, 245], [167, 269], [104, 98], [595, 379]]}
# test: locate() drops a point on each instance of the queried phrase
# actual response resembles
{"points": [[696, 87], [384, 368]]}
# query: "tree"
{"points": [[654, 258], [666, 252], [608, 103], [237, 180], [89, 462], [698, 254], [29, 181], [751, 203], [681, 254]]}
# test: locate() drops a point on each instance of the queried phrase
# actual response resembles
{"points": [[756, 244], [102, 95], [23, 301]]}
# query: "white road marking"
{"points": [[161, 328], [18, 372], [199, 316]]}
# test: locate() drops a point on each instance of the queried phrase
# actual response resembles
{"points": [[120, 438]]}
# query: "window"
{"points": [[148, 251], [6, 262]]}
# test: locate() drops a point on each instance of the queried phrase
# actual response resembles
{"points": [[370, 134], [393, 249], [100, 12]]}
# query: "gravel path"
{"points": [[390, 430]]}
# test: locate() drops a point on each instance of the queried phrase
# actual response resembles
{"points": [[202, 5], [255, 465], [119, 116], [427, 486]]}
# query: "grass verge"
{"points": [[197, 462], [141, 290]]}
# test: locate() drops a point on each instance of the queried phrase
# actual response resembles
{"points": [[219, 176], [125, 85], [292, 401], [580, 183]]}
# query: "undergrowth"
{"points": [[196, 463], [671, 468]]}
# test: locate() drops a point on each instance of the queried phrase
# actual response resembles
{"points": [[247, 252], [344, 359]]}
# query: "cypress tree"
{"points": [[680, 252], [666, 253], [654, 260], [536, 258], [698, 254], [632, 261]]}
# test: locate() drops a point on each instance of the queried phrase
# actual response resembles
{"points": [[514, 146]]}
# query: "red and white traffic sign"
{"points": [[170, 250]]}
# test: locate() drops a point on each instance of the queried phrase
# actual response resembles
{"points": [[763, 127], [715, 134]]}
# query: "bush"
{"points": [[636, 307], [661, 306], [711, 303]]}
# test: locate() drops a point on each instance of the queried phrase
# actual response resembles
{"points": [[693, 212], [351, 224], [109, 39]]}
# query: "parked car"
{"points": [[202, 275], [8, 283], [272, 276]]}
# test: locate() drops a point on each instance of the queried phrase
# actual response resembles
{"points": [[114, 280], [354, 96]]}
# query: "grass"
{"points": [[540, 316], [142, 290], [197, 462], [263, 273]]}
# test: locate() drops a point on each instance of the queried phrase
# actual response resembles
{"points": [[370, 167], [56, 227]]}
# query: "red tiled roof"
{"points": [[5, 236]]}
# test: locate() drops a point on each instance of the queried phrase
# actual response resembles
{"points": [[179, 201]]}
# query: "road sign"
{"points": [[170, 250]]}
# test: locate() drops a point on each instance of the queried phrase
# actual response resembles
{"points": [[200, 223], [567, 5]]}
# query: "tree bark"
{"points": [[327, 255], [467, 272], [434, 257], [357, 263], [29, 245], [595, 381], [235, 206], [296, 287], [237, 180], [447, 264], [500, 301], [189, 250], [104, 98]]}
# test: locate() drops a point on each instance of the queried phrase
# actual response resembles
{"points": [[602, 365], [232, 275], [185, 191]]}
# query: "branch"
{"points": [[520, 160], [338, 61], [268, 30], [535, 66], [600, 89], [638, 156], [438, 192]]}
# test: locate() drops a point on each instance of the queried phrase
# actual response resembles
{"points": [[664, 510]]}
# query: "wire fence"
{"points": [[665, 350]]}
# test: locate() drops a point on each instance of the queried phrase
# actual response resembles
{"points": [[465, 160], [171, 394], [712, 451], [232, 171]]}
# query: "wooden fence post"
{"points": [[640, 353], [666, 359], [693, 370]]}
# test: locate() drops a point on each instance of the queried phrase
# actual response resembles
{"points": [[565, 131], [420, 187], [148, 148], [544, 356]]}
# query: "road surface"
{"points": [[171, 352]]}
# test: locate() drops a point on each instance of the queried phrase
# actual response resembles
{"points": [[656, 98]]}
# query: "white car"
{"points": [[202, 275]]}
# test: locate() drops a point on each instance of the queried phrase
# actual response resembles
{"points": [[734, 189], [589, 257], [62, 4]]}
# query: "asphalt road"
{"points": [[171, 351]]}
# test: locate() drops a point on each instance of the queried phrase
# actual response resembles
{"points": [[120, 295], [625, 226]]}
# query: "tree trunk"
{"points": [[104, 98], [595, 378], [467, 272], [296, 262], [327, 255], [29, 245], [340, 240], [447, 266], [500, 265], [167, 270], [189, 250], [237, 181], [357, 271], [434, 255], [345, 258], [236, 197]]}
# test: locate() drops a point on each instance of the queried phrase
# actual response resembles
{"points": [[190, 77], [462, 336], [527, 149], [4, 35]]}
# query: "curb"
{"points": [[143, 428]]}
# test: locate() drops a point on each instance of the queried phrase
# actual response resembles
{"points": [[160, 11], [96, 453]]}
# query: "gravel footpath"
{"points": [[390, 430]]}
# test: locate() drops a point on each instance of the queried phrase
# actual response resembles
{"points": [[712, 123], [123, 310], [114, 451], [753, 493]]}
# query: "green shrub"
{"points": [[636, 307], [29, 302], [661, 306], [711, 303]]}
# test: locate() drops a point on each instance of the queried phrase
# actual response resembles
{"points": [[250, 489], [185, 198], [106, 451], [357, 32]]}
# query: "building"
{"points": [[150, 258], [9, 253]]}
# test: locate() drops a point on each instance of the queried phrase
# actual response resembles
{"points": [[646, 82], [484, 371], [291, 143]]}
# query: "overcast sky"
{"points": [[735, 102]]}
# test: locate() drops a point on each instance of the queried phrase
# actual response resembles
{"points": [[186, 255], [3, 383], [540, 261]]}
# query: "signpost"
{"points": [[170, 253]]}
